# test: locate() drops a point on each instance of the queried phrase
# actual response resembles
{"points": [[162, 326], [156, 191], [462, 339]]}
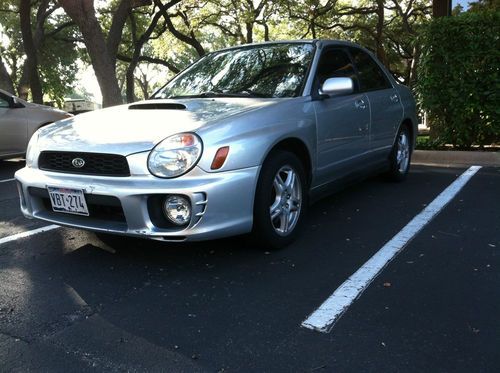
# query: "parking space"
{"points": [[11, 220], [67, 302]]}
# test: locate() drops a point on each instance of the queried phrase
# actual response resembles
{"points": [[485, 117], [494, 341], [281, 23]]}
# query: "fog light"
{"points": [[177, 209]]}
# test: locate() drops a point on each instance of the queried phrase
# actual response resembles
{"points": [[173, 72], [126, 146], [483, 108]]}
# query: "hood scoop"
{"points": [[157, 106]]}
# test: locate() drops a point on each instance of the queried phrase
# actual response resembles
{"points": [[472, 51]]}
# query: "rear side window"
{"points": [[371, 76]]}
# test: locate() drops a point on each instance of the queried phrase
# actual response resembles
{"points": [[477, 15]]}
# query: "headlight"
{"points": [[175, 155], [32, 150]]}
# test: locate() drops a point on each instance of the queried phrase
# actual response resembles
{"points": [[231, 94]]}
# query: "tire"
{"points": [[281, 191], [400, 157]]}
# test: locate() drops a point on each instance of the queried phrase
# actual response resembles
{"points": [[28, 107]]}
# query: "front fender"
{"points": [[251, 136]]}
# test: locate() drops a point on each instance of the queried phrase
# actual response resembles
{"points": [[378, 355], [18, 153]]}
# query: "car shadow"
{"points": [[8, 167]]}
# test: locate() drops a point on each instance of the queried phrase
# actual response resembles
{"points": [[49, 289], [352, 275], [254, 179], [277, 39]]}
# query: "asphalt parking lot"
{"points": [[69, 302]]}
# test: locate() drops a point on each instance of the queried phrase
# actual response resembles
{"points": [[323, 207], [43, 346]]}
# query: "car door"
{"points": [[13, 128], [343, 122], [385, 106]]}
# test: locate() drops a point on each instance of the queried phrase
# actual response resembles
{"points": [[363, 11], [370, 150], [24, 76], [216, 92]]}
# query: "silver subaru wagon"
{"points": [[239, 142]]}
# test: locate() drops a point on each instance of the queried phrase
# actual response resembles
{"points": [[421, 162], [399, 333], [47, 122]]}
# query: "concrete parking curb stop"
{"points": [[455, 158]]}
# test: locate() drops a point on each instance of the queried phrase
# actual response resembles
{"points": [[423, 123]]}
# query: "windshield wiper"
{"points": [[250, 93], [208, 94], [212, 94]]}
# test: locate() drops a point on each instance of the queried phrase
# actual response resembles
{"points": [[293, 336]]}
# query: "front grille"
{"points": [[95, 163]]}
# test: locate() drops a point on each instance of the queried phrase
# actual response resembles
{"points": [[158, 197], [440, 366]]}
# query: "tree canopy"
{"points": [[134, 46]]}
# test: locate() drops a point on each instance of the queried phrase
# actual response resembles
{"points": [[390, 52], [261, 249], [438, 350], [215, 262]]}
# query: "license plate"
{"points": [[70, 201]]}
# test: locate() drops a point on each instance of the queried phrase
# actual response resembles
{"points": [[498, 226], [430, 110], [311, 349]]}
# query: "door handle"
{"points": [[394, 98], [360, 104]]}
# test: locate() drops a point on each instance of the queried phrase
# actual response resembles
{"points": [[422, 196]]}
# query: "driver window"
{"points": [[335, 63]]}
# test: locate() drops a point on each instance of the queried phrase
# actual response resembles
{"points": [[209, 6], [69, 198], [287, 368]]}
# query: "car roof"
{"points": [[5, 92], [318, 42]]}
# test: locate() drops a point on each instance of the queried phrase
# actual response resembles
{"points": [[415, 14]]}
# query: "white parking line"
{"points": [[27, 233], [330, 311], [6, 180]]}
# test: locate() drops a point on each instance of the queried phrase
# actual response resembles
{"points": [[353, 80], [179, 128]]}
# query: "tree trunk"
{"points": [[5, 80], [23, 87], [119, 18], [144, 84], [414, 64], [313, 29], [138, 45], [31, 53], [441, 8], [266, 31], [249, 29], [82, 12], [131, 80], [380, 33]]}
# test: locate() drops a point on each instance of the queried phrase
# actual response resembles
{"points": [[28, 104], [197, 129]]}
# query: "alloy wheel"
{"points": [[403, 153], [287, 200]]}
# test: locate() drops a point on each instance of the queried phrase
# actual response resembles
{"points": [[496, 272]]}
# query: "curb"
{"points": [[455, 158]]}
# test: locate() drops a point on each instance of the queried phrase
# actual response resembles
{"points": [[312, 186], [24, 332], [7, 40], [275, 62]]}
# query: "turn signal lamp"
{"points": [[220, 158]]}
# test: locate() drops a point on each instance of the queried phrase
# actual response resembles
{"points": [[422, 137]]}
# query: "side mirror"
{"points": [[337, 87], [15, 104]]}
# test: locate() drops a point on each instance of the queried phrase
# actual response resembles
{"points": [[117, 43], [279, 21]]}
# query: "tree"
{"points": [[138, 42], [82, 12], [481, 5], [388, 28], [461, 96], [5, 80], [121, 37], [30, 79], [9, 45], [188, 37], [48, 65]]}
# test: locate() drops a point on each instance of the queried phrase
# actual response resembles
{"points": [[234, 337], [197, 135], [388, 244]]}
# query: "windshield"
{"points": [[273, 70]]}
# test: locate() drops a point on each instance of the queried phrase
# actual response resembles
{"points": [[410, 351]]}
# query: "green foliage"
{"points": [[57, 64], [213, 24], [459, 78], [426, 143], [11, 42], [56, 58], [481, 5]]}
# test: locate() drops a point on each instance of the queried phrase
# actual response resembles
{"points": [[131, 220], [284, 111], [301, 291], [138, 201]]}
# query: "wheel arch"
{"points": [[299, 148], [408, 122]]}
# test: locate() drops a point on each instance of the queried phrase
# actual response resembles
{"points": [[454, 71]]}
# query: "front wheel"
{"points": [[401, 155], [280, 200]]}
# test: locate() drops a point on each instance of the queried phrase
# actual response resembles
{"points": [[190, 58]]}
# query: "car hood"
{"points": [[133, 128], [41, 108]]}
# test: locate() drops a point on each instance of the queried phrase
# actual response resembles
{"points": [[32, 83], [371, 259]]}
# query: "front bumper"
{"points": [[222, 203]]}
